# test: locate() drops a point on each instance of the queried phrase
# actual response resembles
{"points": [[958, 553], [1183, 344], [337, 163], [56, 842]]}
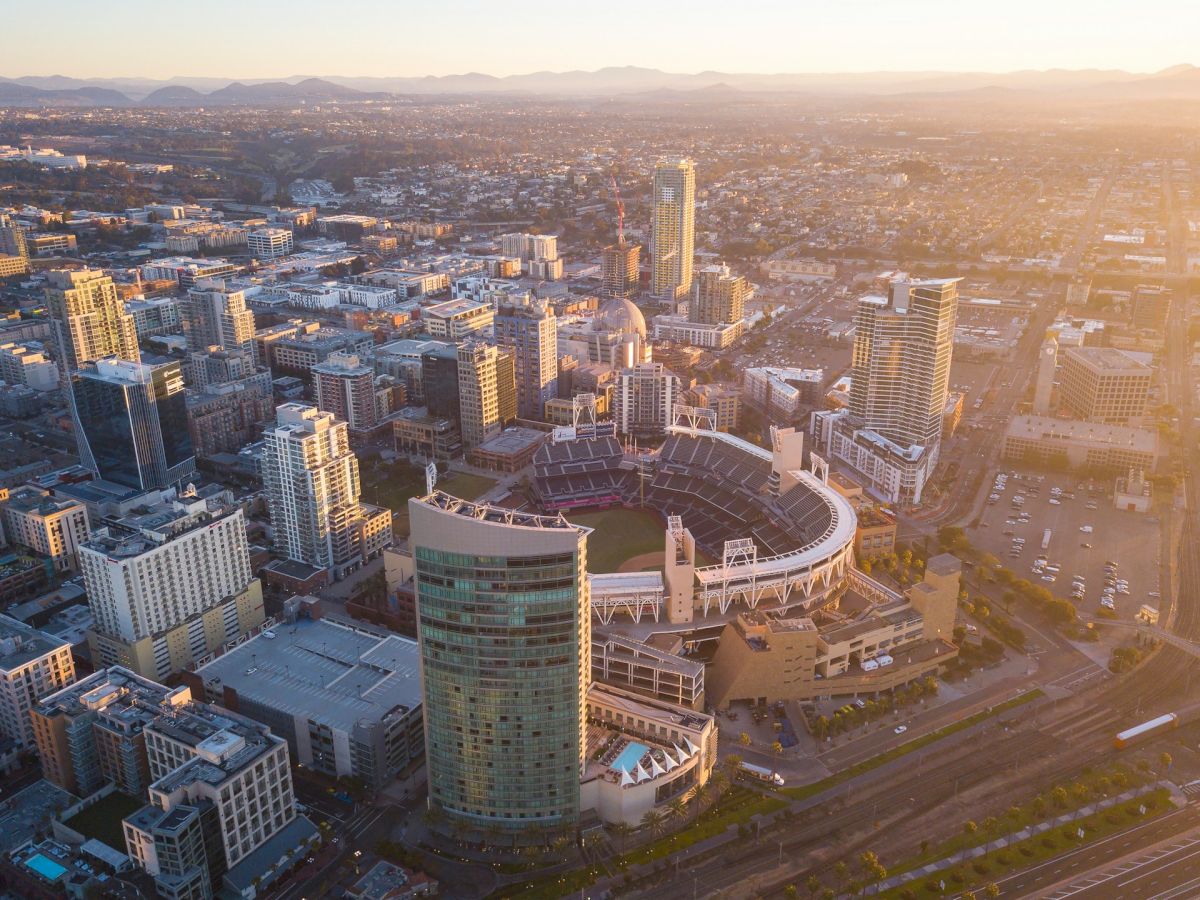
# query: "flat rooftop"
{"points": [[1094, 434], [513, 441], [20, 644], [329, 670], [1108, 359], [224, 743]]}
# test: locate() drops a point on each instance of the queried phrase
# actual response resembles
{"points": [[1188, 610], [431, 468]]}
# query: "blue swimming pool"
{"points": [[629, 757], [45, 867]]}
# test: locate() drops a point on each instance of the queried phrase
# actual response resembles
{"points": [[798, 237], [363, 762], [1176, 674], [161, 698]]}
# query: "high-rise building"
{"points": [[346, 387], [891, 433], [903, 344], [53, 526], [169, 584], [619, 271], [312, 484], [1102, 384], [1047, 367], [91, 318], [439, 381], [720, 296], [505, 637], [216, 316], [32, 665], [529, 330], [131, 423], [672, 228], [21, 364], [644, 399], [14, 249], [1151, 308], [486, 391]]}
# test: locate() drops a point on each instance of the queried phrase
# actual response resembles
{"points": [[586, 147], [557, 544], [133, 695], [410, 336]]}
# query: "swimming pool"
{"points": [[45, 867], [629, 757]]}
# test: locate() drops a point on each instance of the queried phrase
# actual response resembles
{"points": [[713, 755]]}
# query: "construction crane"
{"points": [[620, 212]]}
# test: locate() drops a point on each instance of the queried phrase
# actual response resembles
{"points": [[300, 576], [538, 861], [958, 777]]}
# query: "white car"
{"points": [[1054, 502], [900, 729]]}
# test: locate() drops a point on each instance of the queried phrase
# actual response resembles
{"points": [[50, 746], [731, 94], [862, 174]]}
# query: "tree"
{"points": [[678, 808], [733, 762], [813, 884], [777, 748], [841, 870], [1165, 760], [930, 685], [1060, 797], [992, 889], [969, 827], [654, 821], [821, 728], [623, 830], [744, 739], [790, 891]]}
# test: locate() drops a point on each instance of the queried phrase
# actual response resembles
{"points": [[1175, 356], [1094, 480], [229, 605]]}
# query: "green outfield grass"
{"points": [[619, 534]]}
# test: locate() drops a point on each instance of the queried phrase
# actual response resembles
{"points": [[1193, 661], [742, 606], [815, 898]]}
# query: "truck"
{"points": [[1146, 729], [760, 773], [1046, 539]]}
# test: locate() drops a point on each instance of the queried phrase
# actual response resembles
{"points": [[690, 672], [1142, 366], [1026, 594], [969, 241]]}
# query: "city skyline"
{"points": [[762, 39]]}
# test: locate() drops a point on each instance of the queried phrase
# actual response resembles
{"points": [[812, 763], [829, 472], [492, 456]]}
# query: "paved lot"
{"points": [[1129, 539]]}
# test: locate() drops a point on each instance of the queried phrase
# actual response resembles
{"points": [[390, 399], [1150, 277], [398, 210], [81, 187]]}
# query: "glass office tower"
{"points": [[505, 633], [131, 423]]}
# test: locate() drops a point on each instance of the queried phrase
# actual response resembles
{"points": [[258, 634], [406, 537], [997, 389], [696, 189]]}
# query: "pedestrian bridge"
{"points": [[1167, 637]]}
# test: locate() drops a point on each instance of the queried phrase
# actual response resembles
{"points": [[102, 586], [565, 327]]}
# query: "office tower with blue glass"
{"points": [[131, 423]]}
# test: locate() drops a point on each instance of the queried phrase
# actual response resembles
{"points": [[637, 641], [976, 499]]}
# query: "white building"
{"points": [[169, 585], [645, 398], [680, 330], [21, 364], [312, 484], [32, 665], [459, 319], [52, 526], [269, 243]]}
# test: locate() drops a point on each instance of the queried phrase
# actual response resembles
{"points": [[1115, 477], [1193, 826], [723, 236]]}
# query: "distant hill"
{"points": [[1060, 86]]}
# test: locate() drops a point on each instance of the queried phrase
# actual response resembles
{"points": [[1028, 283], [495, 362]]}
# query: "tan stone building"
{"points": [[866, 645]]}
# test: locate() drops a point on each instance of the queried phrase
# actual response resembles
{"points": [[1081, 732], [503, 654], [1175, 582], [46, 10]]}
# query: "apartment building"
{"points": [[33, 664], [91, 317], [169, 584], [52, 526], [269, 243]]}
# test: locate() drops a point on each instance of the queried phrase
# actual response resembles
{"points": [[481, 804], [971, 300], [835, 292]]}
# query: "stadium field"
{"points": [[619, 534]]}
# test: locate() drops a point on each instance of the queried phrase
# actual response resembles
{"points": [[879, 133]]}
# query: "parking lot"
{"points": [[1127, 538]]}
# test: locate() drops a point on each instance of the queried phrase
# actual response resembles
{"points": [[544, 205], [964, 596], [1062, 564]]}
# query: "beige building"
{"points": [[1039, 440], [487, 391], [91, 733], [1100, 384], [720, 296], [92, 319], [673, 228], [457, 320], [619, 271], [863, 646], [32, 665], [52, 526]]}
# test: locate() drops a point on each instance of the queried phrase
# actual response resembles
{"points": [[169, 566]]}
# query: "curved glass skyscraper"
{"points": [[505, 634]]}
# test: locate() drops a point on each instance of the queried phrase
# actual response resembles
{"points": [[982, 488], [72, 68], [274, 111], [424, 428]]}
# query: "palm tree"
{"points": [[1166, 761], [654, 821], [813, 884], [678, 808]]}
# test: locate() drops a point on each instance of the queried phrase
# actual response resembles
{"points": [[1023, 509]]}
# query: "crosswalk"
{"points": [[1096, 879], [1192, 788]]}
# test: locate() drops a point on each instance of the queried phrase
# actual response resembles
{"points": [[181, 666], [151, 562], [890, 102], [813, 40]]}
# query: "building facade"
{"points": [[52, 526], [1100, 384], [720, 296], [528, 330], [505, 635], [32, 665], [131, 423], [91, 318], [644, 400], [672, 228]]}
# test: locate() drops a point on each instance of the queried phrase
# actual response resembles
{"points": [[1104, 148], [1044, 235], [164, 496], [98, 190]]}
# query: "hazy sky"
{"points": [[163, 38]]}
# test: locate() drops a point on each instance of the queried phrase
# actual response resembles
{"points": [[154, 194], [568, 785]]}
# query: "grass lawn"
{"points": [[1034, 850], [464, 485], [619, 534], [390, 486], [102, 820]]}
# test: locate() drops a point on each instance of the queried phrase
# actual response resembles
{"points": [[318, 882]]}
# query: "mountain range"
{"points": [[1085, 85]]}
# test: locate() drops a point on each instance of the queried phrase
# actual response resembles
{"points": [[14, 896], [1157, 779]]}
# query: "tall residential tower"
{"points": [[672, 228], [91, 317]]}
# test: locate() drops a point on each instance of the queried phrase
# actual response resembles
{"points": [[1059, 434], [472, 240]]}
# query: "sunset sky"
{"points": [[375, 37]]}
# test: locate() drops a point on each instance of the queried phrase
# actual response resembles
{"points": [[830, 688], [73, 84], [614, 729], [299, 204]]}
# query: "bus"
{"points": [[1046, 539], [1146, 729], [759, 773]]}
